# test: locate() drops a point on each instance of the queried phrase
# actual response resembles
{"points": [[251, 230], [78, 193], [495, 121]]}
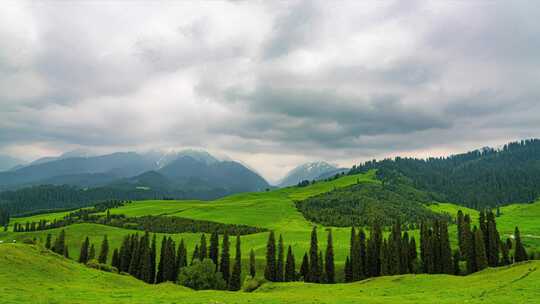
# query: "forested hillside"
{"points": [[365, 203], [481, 178]]}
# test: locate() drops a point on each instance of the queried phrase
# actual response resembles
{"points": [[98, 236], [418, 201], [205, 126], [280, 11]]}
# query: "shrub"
{"points": [[251, 284], [29, 241], [103, 267], [201, 276]]}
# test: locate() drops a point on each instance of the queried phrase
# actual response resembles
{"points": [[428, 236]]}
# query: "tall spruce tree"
{"points": [[83, 255], [235, 280], [413, 255], [280, 263], [520, 254], [493, 241], [363, 257], [290, 267], [460, 226], [159, 276], [115, 262], [330, 273], [320, 268], [313, 275], [134, 265], [456, 258], [397, 250], [104, 250], [195, 255], [252, 264], [348, 270], [153, 256], [92, 252], [60, 243], [169, 269], [354, 253], [404, 259], [224, 262], [374, 250], [213, 252], [125, 254], [446, 251], [66, 252], [304, 267], [480, 250], [505, 253], [203, 253], [181, 256], [48, 241], [270, 270], [468, 237], [385, 258]]}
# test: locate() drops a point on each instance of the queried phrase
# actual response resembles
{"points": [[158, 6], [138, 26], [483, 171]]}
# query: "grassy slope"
{"points": [[274, 210], [32, 275]]}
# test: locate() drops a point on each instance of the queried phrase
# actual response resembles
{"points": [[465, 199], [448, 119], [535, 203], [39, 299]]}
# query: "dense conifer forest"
{"points": [[365, 203], [478, 179]]}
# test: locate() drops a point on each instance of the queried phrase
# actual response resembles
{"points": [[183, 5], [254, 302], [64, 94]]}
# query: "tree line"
{"points": [[479, 179], [397, 253], [151, 223], [4, 217]]}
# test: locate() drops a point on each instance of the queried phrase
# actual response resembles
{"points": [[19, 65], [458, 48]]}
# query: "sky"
{"points": [[271, 83]]}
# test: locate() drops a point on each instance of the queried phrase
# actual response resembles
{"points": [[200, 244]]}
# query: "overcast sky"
{"points": [[270, 83]]}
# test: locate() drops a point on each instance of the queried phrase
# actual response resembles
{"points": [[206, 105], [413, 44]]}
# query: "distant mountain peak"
{"points": [[307, 171]]}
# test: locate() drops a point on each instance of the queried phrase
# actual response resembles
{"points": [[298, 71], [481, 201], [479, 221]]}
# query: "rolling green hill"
{"points": [[30, 274]]}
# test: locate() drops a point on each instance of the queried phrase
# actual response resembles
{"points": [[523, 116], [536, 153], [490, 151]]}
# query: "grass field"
{"points": [[273, 210], [30, 274]]}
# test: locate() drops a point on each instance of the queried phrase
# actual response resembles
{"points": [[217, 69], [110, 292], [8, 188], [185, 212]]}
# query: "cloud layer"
{"points": [[271, 83]]}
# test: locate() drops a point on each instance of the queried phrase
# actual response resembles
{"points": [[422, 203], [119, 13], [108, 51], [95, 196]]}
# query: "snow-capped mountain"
{"points": [[308, 171]]}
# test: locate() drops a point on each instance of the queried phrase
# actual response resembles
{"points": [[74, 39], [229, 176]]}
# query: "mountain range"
{"points": [[195, 172]]}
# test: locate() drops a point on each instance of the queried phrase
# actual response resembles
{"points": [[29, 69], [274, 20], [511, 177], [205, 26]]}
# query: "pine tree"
{"points": [[290, 267], [446, 251], [480, 250], [413, 255], [213, 252], [181, 257], [280, 264], [520, 254], [83, 255], [460, 226], [493, 244], [505, 252], [404, 259], [436, 247], [270, 270], [304, 267], [224, 266], [314, 258], [104, 250], [397, 250], [125, 254], [374, 251], [60, 243], [468, 237], [159, 276], [363, 258], [385, 258], [134, 265], [195, 255], [354, 253], [92, 253], [66, 253], [153, 256], [145, 272], [456, 258], [48, 241], [330, 273], [203, 254], [115, 262], [235, 280], [348, 270], [252, 264], [169, 269], [320, 268]]}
